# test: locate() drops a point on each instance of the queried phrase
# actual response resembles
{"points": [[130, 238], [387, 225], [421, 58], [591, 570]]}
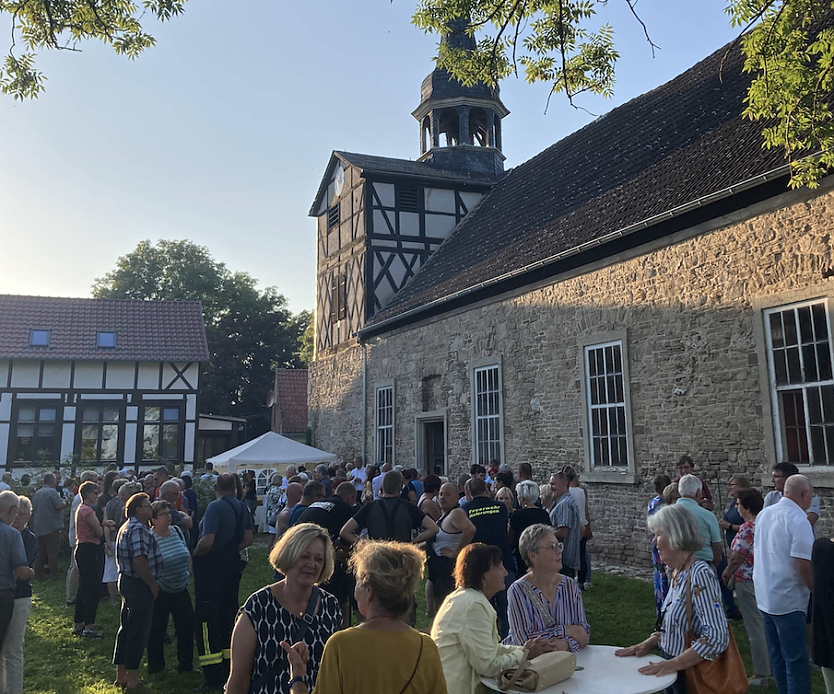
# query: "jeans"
{"points": [[11, 657], [48, 546], [788, 652], [134, 622], [90, 560], [584, 562], [726, 594], [178, 606]]}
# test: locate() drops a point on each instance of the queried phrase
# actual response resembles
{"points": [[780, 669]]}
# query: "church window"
{"points": [[801, 383], [384, 408], [605, 389], [487, 413]]}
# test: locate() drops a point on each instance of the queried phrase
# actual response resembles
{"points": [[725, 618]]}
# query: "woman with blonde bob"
{"points": [[402, 659], [293, 610]]}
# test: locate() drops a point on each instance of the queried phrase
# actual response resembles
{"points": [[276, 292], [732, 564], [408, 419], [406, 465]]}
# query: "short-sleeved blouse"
{"points": [[273, 624], [743, 544]]}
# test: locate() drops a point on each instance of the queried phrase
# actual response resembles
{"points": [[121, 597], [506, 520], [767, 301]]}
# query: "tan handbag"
{"points": [[725, 674], [539, 673]]}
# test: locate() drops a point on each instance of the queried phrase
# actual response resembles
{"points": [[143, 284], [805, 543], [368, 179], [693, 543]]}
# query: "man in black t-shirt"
{"points": [[490, 520], [331, 514], [390, 517]]}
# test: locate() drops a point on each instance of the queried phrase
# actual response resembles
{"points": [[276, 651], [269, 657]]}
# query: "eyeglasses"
{"points": [[553, 547]]}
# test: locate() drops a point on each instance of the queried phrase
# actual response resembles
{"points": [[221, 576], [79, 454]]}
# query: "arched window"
{"points": [[449, 127], [425, 135]]}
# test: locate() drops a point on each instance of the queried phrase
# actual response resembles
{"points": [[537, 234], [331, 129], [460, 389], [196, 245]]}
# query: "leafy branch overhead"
{"points": [[64, 24], [788, 46]]}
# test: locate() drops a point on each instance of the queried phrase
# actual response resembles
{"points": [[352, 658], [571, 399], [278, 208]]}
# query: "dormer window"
{"points": [[38, 338], [106, 339]]}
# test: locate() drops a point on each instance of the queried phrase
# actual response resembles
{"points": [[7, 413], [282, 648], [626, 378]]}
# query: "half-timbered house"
{"points": [[103, 381], [646, 287]]}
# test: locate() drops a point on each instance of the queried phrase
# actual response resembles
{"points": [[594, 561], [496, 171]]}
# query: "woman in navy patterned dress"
{"points": [[304, 555], [660, 574]]}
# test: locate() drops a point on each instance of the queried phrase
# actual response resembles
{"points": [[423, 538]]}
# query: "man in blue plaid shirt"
{"points": [[139, 562]]}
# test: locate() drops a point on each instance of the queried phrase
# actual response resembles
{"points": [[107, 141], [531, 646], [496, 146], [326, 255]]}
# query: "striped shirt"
{"points": [[565, 514], [174, 575], [709, 621], [135, 540], [526, 620]]}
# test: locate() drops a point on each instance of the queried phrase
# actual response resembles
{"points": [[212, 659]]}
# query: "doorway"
{"points": [[431, 443]]}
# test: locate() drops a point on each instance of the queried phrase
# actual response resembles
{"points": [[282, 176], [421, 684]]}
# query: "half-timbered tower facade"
{"points": [[379, 219], [103, 381]]}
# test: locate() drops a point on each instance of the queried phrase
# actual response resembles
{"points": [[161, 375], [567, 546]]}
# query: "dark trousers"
{"points": [[568, 571], [730, 607], [584, 563], [89, 558], [499, 602], [216, 586], [178, 606], [679, 685], [6, 610], [134, 622], [48, 547]]}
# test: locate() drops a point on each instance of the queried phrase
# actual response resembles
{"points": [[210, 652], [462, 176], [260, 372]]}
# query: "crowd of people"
{"points": [[507, 563]]}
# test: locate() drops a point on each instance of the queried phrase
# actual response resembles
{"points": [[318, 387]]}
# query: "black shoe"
{"points": [[90, 634], [190, 668]]}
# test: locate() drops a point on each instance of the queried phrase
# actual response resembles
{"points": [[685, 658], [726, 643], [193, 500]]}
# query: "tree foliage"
{"points": [[63, 24], [250, 332], [788, 45]]}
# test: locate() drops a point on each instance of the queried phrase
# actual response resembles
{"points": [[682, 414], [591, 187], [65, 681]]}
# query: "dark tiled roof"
{"points": [[145, 330], [369, 163], [671, 146], [291, 400]]}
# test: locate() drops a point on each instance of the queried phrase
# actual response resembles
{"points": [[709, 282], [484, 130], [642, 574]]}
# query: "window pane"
{"points": [[806, 331], [592, 364], [827, 393], [818, 443], [172, 414], [809, 358], [48, 414], [824, 361], [151, 414], [170, 441], [110, 414], [820, 322], [794, 370], [90, 414], [829, 439], [777, 335], [25, 430], [109, 441], [814, 406], [150, 441], [780, 365], [790, 328], [26, 414], [46, 430]]}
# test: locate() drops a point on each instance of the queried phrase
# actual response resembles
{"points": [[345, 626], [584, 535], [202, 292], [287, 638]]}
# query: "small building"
{"points": [[99, 381], [289, 409], [218, 433]]}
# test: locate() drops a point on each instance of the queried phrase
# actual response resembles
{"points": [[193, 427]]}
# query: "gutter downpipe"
{"points": [[625, 231], [364, 347]]}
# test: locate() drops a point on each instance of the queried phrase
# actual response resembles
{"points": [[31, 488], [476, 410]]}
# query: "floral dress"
{"points": [[273, 502], [659, 572]]}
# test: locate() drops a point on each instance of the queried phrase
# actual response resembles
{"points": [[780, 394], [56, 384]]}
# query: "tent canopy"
{"points": [[270, 450]]}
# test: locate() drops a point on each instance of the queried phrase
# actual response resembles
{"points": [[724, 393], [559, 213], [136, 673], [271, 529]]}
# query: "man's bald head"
{"points": [[798, 488], [347, 492], [294, 493]]}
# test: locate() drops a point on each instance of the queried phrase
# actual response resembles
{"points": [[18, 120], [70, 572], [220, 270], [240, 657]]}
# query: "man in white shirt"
{"points": [[782, 576], [376, 482], [359, 475], [780, 473]]}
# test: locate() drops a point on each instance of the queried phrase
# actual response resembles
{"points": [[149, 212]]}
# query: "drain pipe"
{"points": [[364, 347]]}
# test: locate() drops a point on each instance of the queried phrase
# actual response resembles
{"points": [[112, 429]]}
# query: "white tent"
{"points": [[270, 450]]}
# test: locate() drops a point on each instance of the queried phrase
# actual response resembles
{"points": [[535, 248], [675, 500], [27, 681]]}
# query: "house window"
{"points": [[801, 383], [99, 433], [161, 433], [262, 481], [37, 433], [39, 338], [385, 424], [106, 339], [487, 399], [605, 388]]}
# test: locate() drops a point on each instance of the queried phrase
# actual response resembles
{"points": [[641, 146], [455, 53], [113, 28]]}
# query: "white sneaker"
{"points": [[759, 681]]}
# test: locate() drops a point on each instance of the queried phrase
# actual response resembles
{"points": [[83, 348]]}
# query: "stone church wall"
{"points": [[688, 313]]}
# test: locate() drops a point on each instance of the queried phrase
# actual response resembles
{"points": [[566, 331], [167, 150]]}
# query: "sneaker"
{"points": [[90, 634], [759, 681], [78, 631]]}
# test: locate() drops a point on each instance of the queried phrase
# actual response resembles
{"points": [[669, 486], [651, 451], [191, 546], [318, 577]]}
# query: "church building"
{"points": [[648, 286]]}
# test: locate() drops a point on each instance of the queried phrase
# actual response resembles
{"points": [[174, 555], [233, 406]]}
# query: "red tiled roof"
{"points": [[145, 330], [291, 400]]}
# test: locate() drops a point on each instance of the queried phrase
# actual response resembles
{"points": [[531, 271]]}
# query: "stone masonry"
{"points": [[688, 310]]}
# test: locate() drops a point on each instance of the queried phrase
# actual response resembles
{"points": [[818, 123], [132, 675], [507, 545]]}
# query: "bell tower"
{"points": [[460, 126]]}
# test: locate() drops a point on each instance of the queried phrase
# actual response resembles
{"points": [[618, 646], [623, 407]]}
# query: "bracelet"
{"points": [[293, 681]]}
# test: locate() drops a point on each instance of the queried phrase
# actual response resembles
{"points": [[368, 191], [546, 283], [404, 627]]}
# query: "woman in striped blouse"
{"points": [[678, 536], [544, 603]]}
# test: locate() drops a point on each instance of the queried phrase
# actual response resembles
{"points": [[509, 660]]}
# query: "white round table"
{"points": [[604, 673]]}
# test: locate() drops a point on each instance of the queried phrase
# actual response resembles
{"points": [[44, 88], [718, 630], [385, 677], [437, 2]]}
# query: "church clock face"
{"points": [[339, 180]]}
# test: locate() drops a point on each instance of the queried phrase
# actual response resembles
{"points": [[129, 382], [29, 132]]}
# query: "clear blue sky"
{"points": [[220, 134]]}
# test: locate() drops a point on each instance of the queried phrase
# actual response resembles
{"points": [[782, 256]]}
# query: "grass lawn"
{"points": [[620, 610]]}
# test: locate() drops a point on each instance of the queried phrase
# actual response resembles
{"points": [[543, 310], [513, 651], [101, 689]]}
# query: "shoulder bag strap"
{"points": [[689, 625], [519, 671], [416, 665], [279, 666], [238, 518], [538, 604]]}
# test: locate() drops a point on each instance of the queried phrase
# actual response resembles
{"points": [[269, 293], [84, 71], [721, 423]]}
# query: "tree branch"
{"points": [[631, 4]]}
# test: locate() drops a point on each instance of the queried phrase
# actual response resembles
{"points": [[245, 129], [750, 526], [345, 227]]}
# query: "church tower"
{"points": [[379, 219], [460, 126]]}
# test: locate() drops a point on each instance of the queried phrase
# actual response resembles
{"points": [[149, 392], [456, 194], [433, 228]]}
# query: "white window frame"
{"points": [[493, 420], [805, 388], [384, 422], [595, 472]]}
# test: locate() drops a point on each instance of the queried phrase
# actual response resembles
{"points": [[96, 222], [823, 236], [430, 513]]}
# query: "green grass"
{"points": [[620, 611]]}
